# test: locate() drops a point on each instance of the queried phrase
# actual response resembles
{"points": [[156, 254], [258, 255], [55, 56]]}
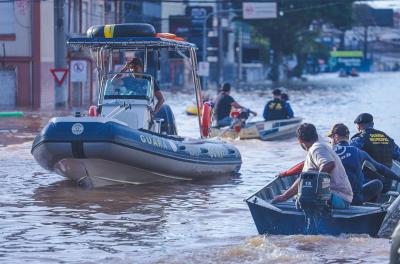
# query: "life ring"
{"points": [[121, 31], [92, 111], [166, 35], [205, 121]]}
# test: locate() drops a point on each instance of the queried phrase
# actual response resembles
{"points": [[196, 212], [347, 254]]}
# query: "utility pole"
{"points": [[240, 56], [60, 52], [220, 47], [365, 42]]}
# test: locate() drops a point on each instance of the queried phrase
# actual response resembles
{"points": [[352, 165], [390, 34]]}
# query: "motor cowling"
{"points": [[314, 191]]}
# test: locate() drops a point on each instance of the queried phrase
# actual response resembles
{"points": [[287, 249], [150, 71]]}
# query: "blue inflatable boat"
{"points": [[121, 140]]}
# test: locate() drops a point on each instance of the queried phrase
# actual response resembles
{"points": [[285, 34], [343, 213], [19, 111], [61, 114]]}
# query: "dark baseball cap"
{"points": [[276, 92], [226, 87], [136, 62], [364, 118], [339, 129]]}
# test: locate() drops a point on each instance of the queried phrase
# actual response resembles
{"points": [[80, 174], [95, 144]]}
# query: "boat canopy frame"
{"points": [[104, 47]]}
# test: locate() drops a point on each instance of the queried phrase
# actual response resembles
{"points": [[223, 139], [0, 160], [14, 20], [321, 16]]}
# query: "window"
{"points": [[7, 20], [85, 17]]}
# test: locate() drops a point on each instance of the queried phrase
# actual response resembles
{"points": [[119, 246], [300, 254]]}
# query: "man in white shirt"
{"points": [[320, 157]]}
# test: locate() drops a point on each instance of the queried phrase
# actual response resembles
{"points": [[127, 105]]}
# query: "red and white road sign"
{"points": [[59, 75]]}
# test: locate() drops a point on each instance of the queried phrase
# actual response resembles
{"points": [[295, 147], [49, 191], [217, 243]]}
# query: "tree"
{"points": [[290, 32]]}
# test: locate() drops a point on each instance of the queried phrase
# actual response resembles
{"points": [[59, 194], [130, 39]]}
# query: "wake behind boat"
{"points": [[121, 140]]}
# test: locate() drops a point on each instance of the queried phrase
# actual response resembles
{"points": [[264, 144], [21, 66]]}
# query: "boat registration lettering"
{"points": [[153, 141], [216, 153]]}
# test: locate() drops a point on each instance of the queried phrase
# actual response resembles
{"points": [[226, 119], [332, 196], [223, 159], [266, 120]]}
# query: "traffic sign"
{"points": [[259, 10], [59, 75], [204, 69], [78, 71]]}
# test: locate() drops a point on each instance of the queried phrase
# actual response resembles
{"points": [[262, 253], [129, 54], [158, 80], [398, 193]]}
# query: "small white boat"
{"points": [[264, 130]]}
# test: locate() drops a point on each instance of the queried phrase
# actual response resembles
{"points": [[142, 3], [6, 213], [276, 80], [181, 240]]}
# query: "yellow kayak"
{"points": [[191, 110]]}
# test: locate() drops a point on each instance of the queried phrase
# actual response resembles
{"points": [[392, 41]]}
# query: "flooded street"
{"points": [[46, 219]]}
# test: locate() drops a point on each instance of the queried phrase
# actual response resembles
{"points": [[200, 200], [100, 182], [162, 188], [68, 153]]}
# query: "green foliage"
{"points": [[290, 33]]}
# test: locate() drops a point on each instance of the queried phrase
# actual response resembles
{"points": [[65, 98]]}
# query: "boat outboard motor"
{"points": [[313, 196]]}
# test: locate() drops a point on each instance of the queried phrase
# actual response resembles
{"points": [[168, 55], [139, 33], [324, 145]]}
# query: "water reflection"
{"points": [[45, 219]]}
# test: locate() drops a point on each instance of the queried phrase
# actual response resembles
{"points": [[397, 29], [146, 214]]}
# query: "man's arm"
{"points": [[327, 167], [238, 106], [160, 100], [396, 151], [292, 191], [380, 168], [266, 112], [289, 110]]}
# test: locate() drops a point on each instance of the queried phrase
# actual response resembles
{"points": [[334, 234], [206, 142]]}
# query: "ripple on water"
{"points": [[45, 219]]}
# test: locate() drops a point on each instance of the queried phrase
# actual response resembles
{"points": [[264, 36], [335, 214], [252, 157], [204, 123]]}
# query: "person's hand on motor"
{"points": [[279, 198]]}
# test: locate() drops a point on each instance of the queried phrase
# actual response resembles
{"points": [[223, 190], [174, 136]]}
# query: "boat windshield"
{"points": [[128, 86]]}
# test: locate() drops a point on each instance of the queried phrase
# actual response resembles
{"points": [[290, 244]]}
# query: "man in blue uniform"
{"points": [[276, 109], [376, 143], [353, 160], [223, 106]]}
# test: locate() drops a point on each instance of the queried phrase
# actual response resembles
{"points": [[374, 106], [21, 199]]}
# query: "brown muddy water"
{"points": [[46, 219]]}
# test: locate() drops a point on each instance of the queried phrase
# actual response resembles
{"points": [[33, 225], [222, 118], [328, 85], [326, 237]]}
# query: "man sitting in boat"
{"points": [[353, 160], [320, 157], [376, 143], [276, 108], [161, 110], [223, 106], [285, 99]]}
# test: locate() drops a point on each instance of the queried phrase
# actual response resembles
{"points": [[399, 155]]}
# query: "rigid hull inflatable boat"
{"points": [[121, 140], [98, 151], [286, 218]]}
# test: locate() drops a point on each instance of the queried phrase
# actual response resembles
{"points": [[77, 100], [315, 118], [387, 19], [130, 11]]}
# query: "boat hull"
{"points": [[264, 130], [109, 153], [284, 218], [293, 221]]}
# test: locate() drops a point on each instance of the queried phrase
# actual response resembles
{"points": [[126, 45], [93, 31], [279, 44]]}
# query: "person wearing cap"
{"points": [[321, 157], [377, 144], [136, 66], [276, 109], [353, 160], [161, 110], [223, 105]]}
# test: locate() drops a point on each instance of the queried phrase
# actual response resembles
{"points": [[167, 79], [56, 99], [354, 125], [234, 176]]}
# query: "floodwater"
{"points": [[46, 219]]}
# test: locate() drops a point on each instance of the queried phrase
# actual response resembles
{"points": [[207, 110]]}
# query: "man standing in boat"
{"points": [[161, 110], [353, 160], [223, 106], [276, 108], [321, 157], [136, 65], [377, 144]]}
